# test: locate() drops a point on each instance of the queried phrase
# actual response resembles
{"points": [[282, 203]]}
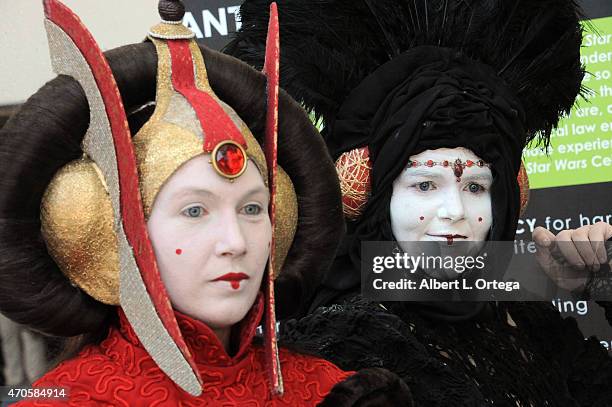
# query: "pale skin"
{"points": [[432, 204], [211, 239], [428, 204]]}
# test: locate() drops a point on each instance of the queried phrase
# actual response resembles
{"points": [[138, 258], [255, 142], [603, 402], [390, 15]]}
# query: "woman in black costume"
{"points": [[401, 78]]}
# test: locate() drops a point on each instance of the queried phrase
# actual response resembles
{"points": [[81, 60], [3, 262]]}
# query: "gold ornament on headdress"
{"points": [[77, 225]]}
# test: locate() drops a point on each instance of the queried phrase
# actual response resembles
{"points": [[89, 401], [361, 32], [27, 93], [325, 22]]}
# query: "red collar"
{"points": [[202, 341]]}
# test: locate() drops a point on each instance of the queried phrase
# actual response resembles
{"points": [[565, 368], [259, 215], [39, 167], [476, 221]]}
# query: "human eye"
{"points": [[475, 188], [194, 211], [424, 186], [252, 209]]}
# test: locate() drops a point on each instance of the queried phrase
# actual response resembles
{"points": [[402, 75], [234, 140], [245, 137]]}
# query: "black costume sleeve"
{"points": [[590, 377], [350, 336], [584, 363], [369, 388]]}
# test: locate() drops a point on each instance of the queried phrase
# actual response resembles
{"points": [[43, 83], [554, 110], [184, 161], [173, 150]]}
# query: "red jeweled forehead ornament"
{"points": [[229, 159], [457, 165]]}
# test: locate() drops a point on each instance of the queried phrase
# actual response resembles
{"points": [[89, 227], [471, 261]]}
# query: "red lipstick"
{"points": [[449, 238], [233, 278]]}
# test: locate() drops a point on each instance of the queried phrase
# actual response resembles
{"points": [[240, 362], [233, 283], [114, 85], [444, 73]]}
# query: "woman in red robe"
{"points": [[160, 253]]}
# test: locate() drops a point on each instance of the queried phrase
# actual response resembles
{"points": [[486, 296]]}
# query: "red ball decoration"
{"points": [[229, 159]]}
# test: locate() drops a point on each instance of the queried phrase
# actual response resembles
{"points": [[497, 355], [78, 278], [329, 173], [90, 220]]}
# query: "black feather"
{"points": [[329, 46]]}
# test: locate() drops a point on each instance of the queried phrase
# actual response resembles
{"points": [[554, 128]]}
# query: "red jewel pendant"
{"points": [[458, 169], [229, 159]]}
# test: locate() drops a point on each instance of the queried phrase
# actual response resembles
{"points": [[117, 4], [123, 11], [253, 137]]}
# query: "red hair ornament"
{"points": [[353, 168]]}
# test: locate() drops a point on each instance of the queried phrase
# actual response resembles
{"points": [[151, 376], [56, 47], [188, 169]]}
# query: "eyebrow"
{"points": [[256, 190], [193, 191], [484, 177], [205, 192], [416, 172], [421, 172]]}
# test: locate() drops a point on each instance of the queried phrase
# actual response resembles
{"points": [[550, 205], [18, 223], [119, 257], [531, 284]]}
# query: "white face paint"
{"points": [[211, 239], [428, 204]]}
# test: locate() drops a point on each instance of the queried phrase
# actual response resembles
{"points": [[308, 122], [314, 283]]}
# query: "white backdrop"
{"points": [[24, 58]]}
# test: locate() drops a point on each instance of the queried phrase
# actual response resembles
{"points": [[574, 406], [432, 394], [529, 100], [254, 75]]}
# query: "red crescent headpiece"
{"points": [[271, 70]]}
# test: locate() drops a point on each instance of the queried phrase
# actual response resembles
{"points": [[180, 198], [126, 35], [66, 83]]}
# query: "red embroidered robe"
{"points": [[119, 372]]}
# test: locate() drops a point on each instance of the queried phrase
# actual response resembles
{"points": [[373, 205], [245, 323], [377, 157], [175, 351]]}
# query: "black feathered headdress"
{"points": [[396, 77], [330, 46]]}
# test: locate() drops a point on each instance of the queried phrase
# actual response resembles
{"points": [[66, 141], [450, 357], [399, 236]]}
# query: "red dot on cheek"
{"points": [[179, 251]]}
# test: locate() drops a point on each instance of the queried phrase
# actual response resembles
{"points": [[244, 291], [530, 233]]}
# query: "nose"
{"points": [[451, 207], [231, 241]]}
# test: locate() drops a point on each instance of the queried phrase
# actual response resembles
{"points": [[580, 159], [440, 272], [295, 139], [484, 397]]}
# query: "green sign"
{"points": [[581, 147]]}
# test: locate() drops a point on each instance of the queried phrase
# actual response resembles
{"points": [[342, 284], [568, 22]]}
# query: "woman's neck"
{"points": [[224, 335]]}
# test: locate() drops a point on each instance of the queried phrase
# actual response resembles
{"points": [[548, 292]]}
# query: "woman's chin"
{"points": [[218, 311]]}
